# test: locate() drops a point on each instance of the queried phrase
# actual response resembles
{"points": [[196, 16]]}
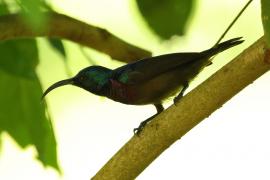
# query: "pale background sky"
{"points": [[233, 143]]}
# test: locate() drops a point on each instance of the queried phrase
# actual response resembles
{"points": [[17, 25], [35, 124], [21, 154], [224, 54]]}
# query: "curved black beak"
{"points": [[56, 85]]}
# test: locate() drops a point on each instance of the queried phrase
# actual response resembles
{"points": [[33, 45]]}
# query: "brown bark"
{"points": [[177, 120], [61, 26]]}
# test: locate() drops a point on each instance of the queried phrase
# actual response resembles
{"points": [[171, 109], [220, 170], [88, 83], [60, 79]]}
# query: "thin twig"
{"points": [[61, 26], [232, 23], [178, 119]]}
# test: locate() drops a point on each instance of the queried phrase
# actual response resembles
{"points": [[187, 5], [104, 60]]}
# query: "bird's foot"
{"points": [[177, 98], [138, 130], [181, 94]]}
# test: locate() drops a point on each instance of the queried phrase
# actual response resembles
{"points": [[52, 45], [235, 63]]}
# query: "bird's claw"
{"points": [[177, 98], [139, 129], [181, 94], [136, 131]]}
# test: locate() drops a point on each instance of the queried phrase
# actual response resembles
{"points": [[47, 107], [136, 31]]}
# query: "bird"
{"points": [[147, 81]]}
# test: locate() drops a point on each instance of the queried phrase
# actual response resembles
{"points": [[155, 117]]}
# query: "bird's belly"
{"points": [[167, 84], [158, 89], [147, 93]]}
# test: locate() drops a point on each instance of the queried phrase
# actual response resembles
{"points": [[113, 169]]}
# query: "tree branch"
{"points": [[178, 119], [12, 26]]}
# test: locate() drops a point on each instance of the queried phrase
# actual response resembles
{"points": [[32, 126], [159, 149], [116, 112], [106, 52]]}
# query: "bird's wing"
{"points": [[149, 68], [146, 69]]}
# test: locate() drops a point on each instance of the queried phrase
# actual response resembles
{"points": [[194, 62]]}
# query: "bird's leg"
{"points": [[159, 108], [180, 95]]}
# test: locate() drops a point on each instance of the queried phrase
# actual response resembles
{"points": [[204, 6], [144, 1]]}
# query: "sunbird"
{"points": [[146, 81]]}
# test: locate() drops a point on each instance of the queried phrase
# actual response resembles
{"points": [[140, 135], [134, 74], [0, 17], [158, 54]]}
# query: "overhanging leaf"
{"points": [[166, 18], [265, 5], [3, 8], [58, 45], [21, 113], [32, 12], [23, 116], [19, 57]]}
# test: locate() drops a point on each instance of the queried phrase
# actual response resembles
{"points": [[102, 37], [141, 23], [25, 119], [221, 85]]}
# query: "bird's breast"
{"points": [[121, 92]]}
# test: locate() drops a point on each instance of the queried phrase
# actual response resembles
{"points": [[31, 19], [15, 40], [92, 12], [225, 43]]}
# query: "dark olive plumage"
{"points": [[147, 81]]}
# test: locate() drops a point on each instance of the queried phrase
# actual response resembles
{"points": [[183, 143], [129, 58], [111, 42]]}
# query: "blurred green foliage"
{"points": [[58, 46], [166, 18], [265, 4], [32, 12], [22, 114], [20, 57]]}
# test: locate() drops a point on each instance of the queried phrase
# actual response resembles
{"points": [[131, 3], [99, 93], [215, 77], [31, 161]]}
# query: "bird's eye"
{"points": [[81, 78]]}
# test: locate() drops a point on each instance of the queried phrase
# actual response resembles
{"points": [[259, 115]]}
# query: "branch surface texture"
{"points": [[61, 26], [177, 120]]}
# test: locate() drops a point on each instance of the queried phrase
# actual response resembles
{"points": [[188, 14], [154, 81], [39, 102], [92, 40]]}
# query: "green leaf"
{"points": [[19, 57], [265, 5], [166, 18], [58, 45], [3, 8], [23, 116], [32, 13]]}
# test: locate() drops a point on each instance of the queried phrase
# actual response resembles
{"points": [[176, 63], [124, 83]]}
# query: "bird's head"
{"points": [[92, 79]]}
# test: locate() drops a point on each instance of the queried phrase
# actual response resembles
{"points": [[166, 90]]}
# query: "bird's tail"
{"points": [[223, 46]]}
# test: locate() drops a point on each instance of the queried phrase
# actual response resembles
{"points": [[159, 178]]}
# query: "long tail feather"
{"points": [[223, 46]]}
